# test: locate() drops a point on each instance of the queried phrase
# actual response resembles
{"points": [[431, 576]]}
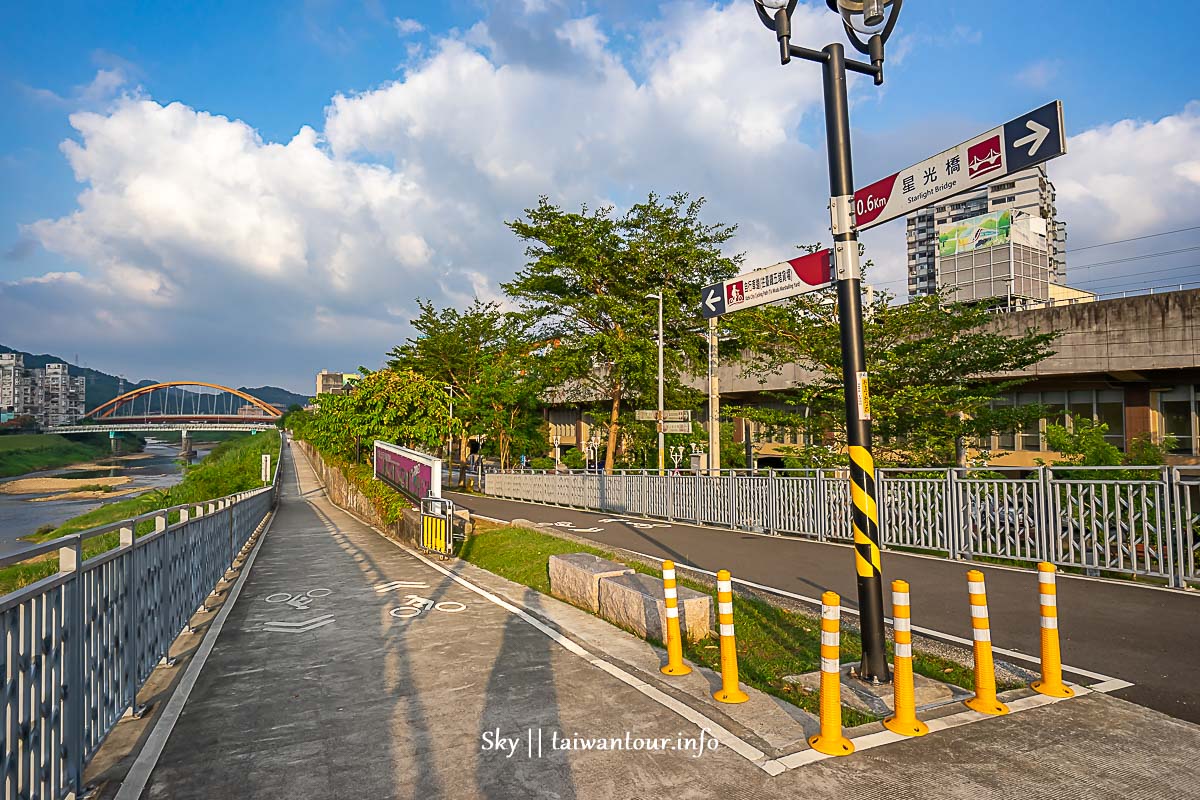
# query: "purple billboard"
{"points": [[408, 471]]}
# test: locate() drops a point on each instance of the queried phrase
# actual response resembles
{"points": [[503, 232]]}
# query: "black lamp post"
{"points": [[874, 19]]}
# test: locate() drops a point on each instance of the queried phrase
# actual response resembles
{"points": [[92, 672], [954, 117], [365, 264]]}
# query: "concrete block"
{"points": [[575, 577], [636, 602]]}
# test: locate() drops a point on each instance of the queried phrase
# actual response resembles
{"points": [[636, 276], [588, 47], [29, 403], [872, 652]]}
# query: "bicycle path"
{"points": [[316, 689], [1142, 635]]}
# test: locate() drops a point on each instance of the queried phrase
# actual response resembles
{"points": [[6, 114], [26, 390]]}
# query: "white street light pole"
{"points": [[662, 463]]}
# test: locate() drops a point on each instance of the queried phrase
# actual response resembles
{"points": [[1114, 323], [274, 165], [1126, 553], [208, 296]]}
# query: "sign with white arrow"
{"points": [[769, 284], [1016, 145]]}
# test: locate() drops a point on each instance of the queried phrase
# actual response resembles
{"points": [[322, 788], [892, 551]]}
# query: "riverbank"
{"points": [[231, 467], [29, 452]]}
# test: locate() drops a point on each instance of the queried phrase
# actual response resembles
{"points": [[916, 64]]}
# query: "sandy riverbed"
{"points": [[40, 485], [90, 495]]}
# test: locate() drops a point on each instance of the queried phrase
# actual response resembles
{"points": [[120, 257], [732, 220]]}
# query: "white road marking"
{"points": [[391, 585], [298, 627]]}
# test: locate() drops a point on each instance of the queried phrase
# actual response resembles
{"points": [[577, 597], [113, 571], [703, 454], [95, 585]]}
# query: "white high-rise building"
{"points": [[1029, 192]]}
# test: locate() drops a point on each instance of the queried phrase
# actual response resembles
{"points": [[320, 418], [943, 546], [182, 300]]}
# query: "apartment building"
{"points": [[51, 395], [1029, 192]]}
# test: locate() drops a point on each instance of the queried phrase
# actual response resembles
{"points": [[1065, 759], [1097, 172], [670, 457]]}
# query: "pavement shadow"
{"points": [[521, 703]]}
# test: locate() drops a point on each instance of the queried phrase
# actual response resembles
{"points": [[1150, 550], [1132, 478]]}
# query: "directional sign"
{"points": [[676, 427], [767, 285], [1016, 145], [670, 414]]}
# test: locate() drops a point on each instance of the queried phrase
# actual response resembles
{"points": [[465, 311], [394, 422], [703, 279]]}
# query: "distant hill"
{"points": [[102, 387], [276, 396]]}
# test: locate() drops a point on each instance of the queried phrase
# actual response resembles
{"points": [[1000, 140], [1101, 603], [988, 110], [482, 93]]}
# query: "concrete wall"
{"points": [[1116, 337]]}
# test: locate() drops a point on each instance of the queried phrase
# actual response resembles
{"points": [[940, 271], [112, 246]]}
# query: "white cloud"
{"points": [[1130, 178], [195, 239], [407, 27], [1039, 74]]}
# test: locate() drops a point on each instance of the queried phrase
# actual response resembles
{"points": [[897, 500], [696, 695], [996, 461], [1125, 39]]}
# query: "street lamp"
{"points": [[661, 441], [557, 439], [677, 455], [450, 437], [875, 19]]}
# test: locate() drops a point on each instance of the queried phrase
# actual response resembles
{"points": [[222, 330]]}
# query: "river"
{"points": [[157, 466]]}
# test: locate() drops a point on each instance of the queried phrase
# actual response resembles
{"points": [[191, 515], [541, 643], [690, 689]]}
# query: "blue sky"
{"points": [[420, 113]]}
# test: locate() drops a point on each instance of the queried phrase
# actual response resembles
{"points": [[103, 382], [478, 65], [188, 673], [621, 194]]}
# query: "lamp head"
{"points": [[867, 17]]}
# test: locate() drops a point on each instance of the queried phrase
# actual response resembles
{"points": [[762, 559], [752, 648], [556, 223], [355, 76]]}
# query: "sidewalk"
{"points": [[335, 696]]}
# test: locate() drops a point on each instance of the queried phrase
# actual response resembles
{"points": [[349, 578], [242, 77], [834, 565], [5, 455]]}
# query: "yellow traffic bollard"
{"points": [[830, 740], [730, 691], [904, 721], [984, 701], [675, 665], [1051, 683]]}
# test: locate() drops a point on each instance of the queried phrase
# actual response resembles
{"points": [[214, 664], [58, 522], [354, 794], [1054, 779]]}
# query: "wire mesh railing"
{"points": [[1121, 521], [77, 645]]}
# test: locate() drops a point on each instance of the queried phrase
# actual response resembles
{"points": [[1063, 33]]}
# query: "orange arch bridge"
{"points": [[176, 409]]}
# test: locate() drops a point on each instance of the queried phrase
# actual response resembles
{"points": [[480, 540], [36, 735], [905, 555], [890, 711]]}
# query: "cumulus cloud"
{"points": [[1131, 177], [407, 27], [197, 242]]}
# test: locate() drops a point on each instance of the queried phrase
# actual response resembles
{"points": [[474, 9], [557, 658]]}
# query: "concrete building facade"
{"points": [[51, 395], [1029, 192]]}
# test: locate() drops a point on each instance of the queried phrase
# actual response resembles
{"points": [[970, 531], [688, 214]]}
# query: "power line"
{"points": [[1133, 258], [1131, 239], [1138, 276]]}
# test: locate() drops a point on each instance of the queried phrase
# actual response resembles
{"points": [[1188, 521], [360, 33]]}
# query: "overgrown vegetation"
{"points": [[1083, 445], [233, 466]]}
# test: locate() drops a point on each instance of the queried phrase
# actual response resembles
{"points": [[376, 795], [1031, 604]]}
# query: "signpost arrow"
{"points": [[1040, 132], [1016, 145], [768, 285]]}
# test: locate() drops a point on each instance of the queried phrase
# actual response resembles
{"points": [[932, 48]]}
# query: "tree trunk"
{"points": [[611, 449]]}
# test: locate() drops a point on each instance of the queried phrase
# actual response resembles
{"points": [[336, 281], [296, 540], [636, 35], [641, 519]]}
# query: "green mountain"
{"points": [[102, 387]]}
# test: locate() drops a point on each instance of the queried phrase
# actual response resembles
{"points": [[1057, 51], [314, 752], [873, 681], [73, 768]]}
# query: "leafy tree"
{"points": [[1084, 445], [394, 405], [932, 366], [584, 291], [488, 359]]}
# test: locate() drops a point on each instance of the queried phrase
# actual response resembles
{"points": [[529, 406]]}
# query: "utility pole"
{"points": [[714, 402]]}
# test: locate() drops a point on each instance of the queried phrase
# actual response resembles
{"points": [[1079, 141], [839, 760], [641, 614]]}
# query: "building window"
{"points": [[1178, 410]]}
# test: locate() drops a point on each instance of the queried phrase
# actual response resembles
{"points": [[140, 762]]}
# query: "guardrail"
{"points": [[1131, 521], [76, 646]]}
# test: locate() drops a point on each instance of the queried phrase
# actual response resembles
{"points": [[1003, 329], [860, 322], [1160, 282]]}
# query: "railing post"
{"points": [[955, 530], [881, 508], [771, 522], [70, 560], [822, 505], [130, 616], [732, 495]]}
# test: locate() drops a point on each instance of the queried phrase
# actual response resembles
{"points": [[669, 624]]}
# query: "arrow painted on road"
{"points": [[711, 300], [387, 587], [298, 627], [1039, 134]]}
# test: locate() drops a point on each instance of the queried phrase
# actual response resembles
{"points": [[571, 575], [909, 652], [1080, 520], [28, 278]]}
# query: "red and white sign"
{"points": [[1017, 144], [776, 282]]}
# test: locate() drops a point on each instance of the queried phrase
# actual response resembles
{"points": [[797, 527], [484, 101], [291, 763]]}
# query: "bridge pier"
{"points": [[185, 447], [114, 444]]}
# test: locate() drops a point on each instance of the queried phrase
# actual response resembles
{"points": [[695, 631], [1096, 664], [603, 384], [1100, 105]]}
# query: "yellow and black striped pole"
{"points": [[675, 665], [730, 691], [865, 523], [1051, 683]]}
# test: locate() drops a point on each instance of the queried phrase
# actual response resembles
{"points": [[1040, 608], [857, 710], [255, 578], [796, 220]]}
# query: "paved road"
{"points": [[1146, 636]]}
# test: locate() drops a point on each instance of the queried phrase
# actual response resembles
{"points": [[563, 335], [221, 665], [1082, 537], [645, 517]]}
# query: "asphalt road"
{"points": [[1146, 636]]}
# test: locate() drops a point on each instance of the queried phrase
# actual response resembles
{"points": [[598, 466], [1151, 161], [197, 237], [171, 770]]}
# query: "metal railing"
{"points": [[77, 645], [1119, 521]]}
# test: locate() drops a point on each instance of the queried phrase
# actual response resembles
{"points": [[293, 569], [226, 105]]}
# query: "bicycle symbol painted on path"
{"points": [[301, 601], [417, 605]]}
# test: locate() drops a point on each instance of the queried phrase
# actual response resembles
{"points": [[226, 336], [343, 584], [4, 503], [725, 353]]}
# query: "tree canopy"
{"points": [[584, 292], [935, 369]]}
